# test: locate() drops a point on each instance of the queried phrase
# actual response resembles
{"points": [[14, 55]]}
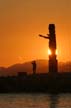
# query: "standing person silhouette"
{"points": [[34, 66]]}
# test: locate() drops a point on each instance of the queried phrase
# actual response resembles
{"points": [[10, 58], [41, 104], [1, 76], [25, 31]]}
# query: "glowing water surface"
{"points": [[35, 101]]}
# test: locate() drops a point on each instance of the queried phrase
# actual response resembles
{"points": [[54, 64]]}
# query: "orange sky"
{"points": [[22, 20]]}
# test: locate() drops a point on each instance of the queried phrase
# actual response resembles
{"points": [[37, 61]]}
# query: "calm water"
{"points": [[35, 101]]}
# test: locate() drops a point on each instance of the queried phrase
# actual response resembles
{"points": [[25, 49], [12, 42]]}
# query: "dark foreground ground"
{"points": [[36, 83]]}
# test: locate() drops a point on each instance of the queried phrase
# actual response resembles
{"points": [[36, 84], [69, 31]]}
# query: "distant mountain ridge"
{"points": [[42, 67]]}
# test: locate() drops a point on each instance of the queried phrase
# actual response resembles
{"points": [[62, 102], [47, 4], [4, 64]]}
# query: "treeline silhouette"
{"points": [[61, 82]]}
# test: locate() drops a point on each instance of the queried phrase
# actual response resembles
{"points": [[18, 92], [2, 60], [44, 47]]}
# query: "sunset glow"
{"points": [[21, 21], [49, 52], [56, 52]]}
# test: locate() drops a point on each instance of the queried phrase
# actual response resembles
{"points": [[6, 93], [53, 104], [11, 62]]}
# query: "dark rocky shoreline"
{"points": [[45, 83]]}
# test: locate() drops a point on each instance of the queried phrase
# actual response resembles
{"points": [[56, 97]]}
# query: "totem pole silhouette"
{"points": [[53, 64]]}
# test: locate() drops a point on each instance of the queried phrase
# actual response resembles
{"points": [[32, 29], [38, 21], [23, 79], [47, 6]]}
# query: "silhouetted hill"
{"points": [[25, 67], [42, 66], [64, 66], [3, 71]]}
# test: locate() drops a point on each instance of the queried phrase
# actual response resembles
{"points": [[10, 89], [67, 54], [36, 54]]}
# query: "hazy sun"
{"points": [[50, 53], [56, 52]]}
